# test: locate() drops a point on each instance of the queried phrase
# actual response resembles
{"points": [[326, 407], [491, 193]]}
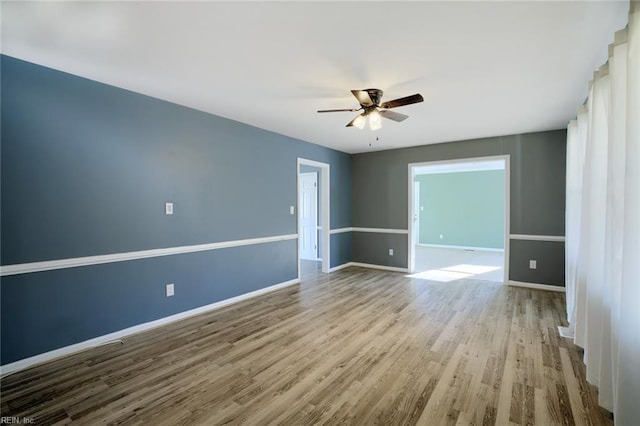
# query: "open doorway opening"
{"points": [[313, 217], [459, 219]]}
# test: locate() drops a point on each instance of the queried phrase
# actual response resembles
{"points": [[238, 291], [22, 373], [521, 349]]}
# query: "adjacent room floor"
{"points": [[449, 264], [310, 269], [353, 347]]}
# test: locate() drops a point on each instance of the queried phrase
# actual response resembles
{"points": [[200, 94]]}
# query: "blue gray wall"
{"points": [[537, 199], [86, 169]]}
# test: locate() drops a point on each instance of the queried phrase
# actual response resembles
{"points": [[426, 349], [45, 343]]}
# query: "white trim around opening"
{"points": [[413, 168], [323, 198]]}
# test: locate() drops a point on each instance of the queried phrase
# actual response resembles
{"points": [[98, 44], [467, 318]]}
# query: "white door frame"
{"points": [[323, 199], [507, 204]]}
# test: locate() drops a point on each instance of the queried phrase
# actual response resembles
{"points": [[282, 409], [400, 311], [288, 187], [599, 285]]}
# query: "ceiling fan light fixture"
{"points": [[360, 121], [374, 120]]}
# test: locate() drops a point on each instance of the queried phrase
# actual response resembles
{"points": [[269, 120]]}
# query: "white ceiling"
{"points": [[484, 68]]}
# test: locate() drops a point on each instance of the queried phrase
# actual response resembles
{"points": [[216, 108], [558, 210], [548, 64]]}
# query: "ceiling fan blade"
{"points": [[363, 97], [338, 110], [407, 100], [392, 115]]}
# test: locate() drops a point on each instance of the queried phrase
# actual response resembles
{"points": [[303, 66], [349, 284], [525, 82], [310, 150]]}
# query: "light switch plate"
{"points": [[168, 208]]}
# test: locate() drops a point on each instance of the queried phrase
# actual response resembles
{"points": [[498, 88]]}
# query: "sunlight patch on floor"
{"points": [[452, 273]]}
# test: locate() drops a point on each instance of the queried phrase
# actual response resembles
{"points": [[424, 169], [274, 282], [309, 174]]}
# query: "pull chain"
{"points": [[377, 139]]}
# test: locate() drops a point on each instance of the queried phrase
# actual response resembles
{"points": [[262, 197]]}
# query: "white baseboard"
{"points": [[383, 267], [337, 268], [567, 332], [537, 286], [368, 265], [111, 337], [462, 247]]}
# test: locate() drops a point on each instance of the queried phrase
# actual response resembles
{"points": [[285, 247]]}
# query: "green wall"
{"points": [[466, 208]]}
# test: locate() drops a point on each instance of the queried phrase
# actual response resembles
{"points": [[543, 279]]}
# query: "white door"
{"points": [[308, 216], [416, 212]]}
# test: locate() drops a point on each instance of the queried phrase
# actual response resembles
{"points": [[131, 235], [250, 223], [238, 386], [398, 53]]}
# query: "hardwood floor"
{"points": [[354, 347]]}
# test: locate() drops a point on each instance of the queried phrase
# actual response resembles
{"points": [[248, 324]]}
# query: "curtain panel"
{"points": [[603, 227]]}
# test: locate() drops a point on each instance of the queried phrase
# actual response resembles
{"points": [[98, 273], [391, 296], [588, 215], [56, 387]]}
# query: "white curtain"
{"points": [[576, 137], [603, 227]]}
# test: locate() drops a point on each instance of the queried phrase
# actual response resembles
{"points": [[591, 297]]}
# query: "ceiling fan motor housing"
{"points": [[375, 95]]}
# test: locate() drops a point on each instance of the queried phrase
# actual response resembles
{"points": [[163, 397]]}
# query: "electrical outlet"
{"points": [[390, 252], [168, 208], [441, 236], [533, 264], [292, 210], [170, 290]]}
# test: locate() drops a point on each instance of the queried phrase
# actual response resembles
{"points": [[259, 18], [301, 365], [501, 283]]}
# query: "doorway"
{"points": [[313, 217], [455, 234]]}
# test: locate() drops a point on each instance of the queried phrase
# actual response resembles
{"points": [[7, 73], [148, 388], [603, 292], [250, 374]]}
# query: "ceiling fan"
{"points": [[369, 100]]}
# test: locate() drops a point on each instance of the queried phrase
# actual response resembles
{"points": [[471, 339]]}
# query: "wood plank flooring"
{"points": [[356, 346]]}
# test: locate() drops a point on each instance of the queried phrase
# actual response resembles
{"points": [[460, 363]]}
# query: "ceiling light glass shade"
{"points": [[374, 120], [359, 122]]}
